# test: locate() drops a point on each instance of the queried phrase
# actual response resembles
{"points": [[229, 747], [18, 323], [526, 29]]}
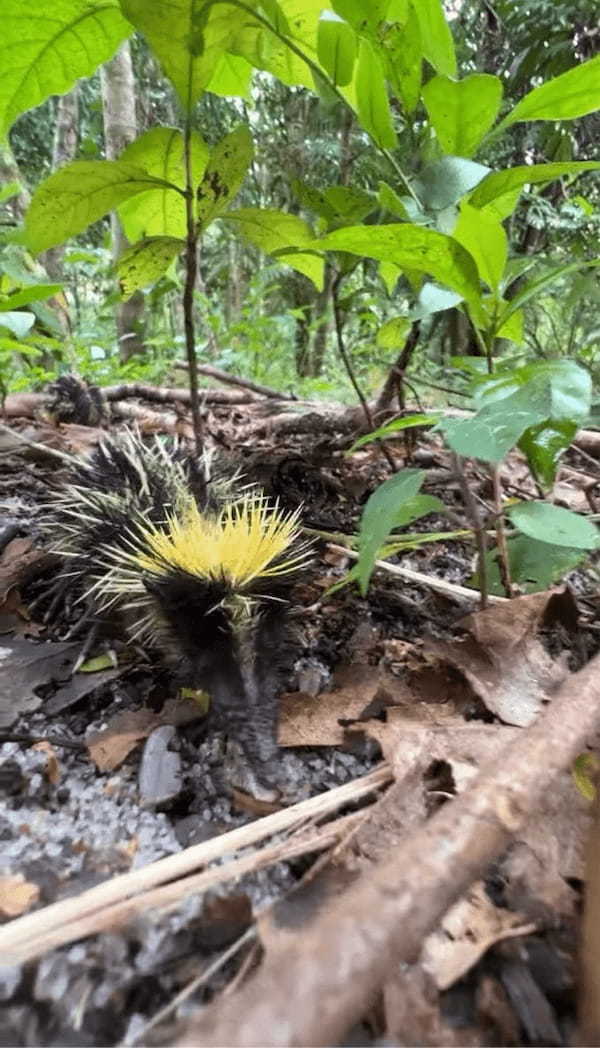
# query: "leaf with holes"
{"points": [[145, 262], [224, 174]]}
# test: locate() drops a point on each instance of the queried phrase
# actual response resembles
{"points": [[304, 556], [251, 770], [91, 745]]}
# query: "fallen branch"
{"points": [[236, 380], [313, 986], [157, 884]]}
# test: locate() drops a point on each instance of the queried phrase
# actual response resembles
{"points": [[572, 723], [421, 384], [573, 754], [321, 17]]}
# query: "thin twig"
{"points": [[478, 529], [339, 332], [195, 984]]}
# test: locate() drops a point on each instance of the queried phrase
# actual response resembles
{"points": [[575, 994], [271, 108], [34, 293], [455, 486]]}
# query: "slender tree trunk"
{"points": [[66, 135], [9, 172], [118, 102]]}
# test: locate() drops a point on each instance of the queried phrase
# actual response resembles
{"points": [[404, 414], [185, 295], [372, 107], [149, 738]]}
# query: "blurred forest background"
{"points": [[263, 320]]}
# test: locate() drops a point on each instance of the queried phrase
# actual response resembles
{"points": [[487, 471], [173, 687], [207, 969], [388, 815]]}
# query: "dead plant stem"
{"points": [[478, 529]]}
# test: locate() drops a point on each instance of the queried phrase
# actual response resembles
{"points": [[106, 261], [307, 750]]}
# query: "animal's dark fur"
{"points": [[234, 652]]}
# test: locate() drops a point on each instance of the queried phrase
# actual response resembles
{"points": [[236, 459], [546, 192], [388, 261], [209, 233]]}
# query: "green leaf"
{"points": [[492, 432], [336, 49], [585, 775], [372, 99], [232, 77], [393, 333], [512, 328], [33, 293], [534, 566], [380, 515], [500, 183], [47, 48], [161, 212], [146, 261], [404, 60], [414, 248], [224, 174], [554, 525], [350, 204], [281, 235], [484, 238], [364, 15], [558, 389], [573, 94], [389, 199], [77, 195], [9, 190], [188, 37], [438, 46], [395, 426], [445, 182], [390, 274], [462, 111], [544, 446], [17, 323], [535, 286], [433, 299]]}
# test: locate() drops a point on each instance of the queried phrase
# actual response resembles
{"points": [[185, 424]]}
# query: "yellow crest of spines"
{"points": [[247, 540]]}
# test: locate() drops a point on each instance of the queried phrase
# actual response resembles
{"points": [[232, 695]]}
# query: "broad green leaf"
{"points": [[224, 174], [232, 77], [79, 194], [485, 239], [433, 299], [281, 235], [364, 15], [554, 525], [412, 248], [19, 324], [438, 46], [373, 105], [337, 50], [462, 111], [544, 445], [534, 566], [492, 432], [380, 516], [33, 293], [395, 426], [188, 37], [145, 262], [314, 200], [393, 333], [570, 95], [351, 204], [161, 212], [557, 389], [389, 199], [512, 328], [47, 48], [404, 59], [449, 179], [390, 274], [499, 183]]}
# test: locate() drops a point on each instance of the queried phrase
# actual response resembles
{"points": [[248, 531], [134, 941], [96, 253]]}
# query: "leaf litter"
{"points": [[440, 702]]}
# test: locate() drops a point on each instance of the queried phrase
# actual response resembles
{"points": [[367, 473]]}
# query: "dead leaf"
{"points": [[317, 720], [52, 769], [109, 748], [465, 933], [79, 687], [17, 563], [504, 661], [17, 895], [25, 666]]}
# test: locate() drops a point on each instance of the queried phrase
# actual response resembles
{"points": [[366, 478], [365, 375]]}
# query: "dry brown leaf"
{"points": [[502, 658], [307, 720], [109, 748], [467, 930], [18, 559], [52, 769], [17, 895]]}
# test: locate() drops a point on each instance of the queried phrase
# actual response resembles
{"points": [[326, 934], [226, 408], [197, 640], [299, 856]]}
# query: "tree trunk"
{"points": [[9, 172], [118, 102], [66, 134]]}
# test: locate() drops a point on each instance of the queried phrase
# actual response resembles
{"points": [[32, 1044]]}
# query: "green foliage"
{"points": [[46, 49], [461, 112], [275, 232], [81, 192], [534, 566], [555, 525], [225, 171]]}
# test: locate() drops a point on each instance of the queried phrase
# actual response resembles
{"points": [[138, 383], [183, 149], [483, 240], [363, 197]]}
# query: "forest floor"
{"points": [[138, 886]]}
